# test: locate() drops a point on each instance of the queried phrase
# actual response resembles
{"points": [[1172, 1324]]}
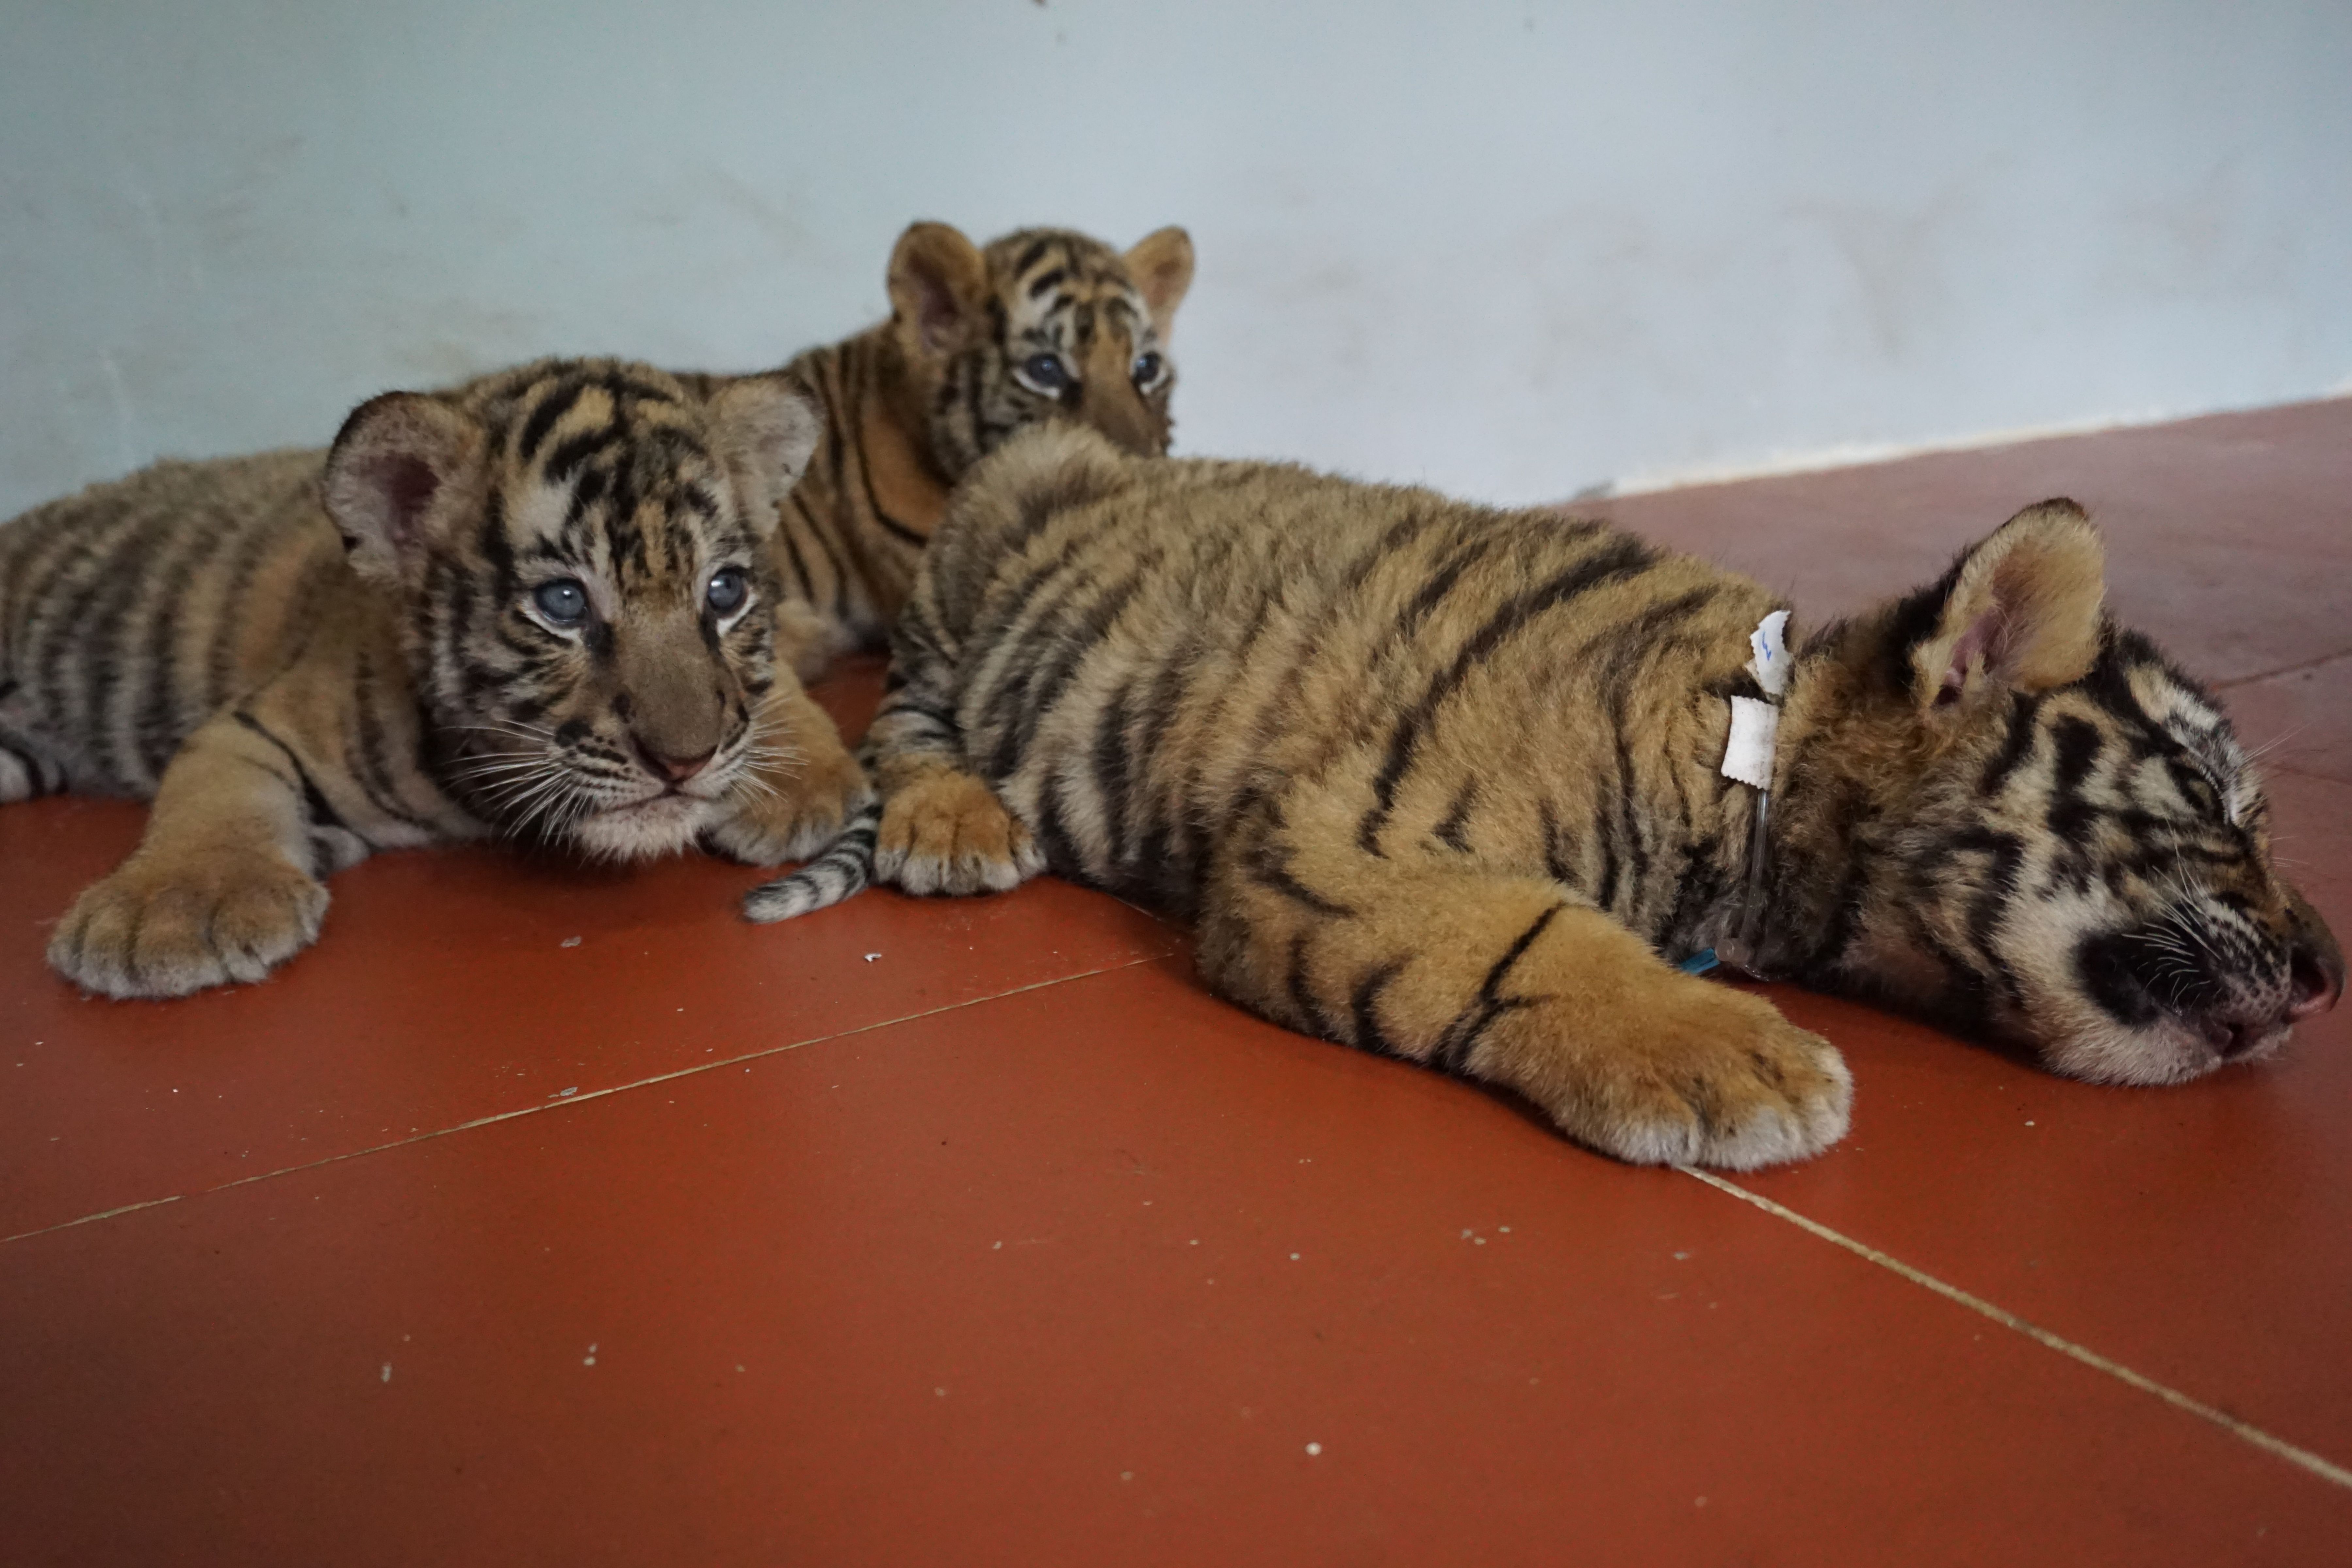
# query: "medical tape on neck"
{"points": [[1747, 757]]}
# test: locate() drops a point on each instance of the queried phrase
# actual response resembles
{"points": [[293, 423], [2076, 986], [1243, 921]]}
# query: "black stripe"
{"points": [[158, 725], [548, 414], [1275, 717], [574, 452], [1607, 896], [1078, 638], [792, 550], [1053, 835], [1270, 868], [314, 801], [1620, 558], [1111, 763], [1302, 991], [1363, 1007], [1630, 817], [375, 770], [2016, 746], [1555, 843], [1453, 830], [1469, 1026]]}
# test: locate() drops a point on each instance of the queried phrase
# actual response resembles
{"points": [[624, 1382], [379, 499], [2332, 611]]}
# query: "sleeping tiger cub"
{"points": [[1044, 323], [535, 605], [1445, 783]]}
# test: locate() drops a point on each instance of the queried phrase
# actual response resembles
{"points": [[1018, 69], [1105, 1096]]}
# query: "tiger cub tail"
{"points": [[844, 870]]}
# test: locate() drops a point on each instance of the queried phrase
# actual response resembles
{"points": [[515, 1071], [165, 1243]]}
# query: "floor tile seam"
{"points": [[582, 1098], [2297, 669], [2279, 768], [2246, 1431]]}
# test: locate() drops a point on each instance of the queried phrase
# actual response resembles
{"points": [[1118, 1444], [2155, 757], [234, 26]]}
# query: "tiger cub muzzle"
{"points": [[2215, 973]]}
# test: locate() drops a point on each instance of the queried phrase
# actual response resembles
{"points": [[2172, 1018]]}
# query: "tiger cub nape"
{"points": [[980, 343], [1442, 781], [536, 606]]}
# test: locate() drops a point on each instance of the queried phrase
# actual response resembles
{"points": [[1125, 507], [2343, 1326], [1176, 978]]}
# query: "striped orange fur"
{"points": [[1443, 781], [537, 605], [1040, 324]]}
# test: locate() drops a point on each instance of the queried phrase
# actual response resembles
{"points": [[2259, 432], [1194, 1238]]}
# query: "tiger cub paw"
{"points": [[170, 930], [1721, 1079], [947, 832], [777, 818]]}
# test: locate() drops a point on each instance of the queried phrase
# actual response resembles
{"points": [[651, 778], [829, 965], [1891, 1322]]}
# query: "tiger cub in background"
{"points": [[1443, 783], [536, 606], [1040, 324]]}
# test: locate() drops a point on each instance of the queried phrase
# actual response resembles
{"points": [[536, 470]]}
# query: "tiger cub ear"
{"points": [[2020, 610], [765, 430], [1161, 265], [938, 283], [403, 468]]}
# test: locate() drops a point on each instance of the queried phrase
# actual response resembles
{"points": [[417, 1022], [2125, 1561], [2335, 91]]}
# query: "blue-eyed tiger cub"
{"points": [[1040, 324], [538, 605]]}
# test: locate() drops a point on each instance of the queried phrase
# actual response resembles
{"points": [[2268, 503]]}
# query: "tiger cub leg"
{"points": [[1509, 979], [220, 888], [799, 791], [943, 829]]}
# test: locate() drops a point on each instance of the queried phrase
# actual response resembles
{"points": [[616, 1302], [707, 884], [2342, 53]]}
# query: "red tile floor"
{"points": [[542, 1216]]}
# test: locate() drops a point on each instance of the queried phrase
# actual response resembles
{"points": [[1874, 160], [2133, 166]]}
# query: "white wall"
{"points": [[1513, 249]]}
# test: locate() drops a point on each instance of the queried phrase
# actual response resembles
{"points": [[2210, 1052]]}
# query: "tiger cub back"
{"points": [[1450, 783], [981, 342], [131, 612]]}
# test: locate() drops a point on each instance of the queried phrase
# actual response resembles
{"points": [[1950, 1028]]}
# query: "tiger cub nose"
{"points": [[678, 770], [2316, 980]]}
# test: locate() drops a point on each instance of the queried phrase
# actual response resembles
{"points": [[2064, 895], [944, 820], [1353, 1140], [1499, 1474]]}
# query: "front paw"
{"points": [[773, 819], [169, 929], [947, 832], [1718, 1079]]}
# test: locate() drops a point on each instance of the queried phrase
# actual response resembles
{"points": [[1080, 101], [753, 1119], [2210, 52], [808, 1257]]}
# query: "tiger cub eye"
{"points": [[1045, 373], [729, 588], [563, 601]]}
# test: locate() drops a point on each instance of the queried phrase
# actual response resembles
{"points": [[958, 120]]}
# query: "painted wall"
{"points": [[1513, 249]]}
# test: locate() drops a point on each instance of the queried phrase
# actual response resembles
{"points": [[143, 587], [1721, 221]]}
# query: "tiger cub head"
{"points": [[2027, 822], [577, 549], [1042, 324]]}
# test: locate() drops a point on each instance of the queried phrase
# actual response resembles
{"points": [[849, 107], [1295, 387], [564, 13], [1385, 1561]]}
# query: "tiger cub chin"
{"points": [[982, 341], [536, 606], [1444, 782]]}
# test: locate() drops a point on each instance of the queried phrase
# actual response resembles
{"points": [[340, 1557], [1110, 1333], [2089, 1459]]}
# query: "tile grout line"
{"points": [[582, 1098], [2278, 1447], [2283, 670]]}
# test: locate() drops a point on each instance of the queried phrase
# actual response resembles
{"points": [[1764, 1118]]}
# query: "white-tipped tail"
{"points": [[845, 868]]}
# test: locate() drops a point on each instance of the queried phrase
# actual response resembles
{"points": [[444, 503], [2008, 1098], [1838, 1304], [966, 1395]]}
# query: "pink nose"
{"points": [[2315, 983], [678, 770]]}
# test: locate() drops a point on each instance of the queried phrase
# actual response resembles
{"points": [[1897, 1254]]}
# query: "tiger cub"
{"points": [[1040, 324], [536, 606], [1444, 783]]}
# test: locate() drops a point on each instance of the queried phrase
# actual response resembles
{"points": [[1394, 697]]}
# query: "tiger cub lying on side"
{"points": [[535, 605], [1443, 781], [1042, 324]]}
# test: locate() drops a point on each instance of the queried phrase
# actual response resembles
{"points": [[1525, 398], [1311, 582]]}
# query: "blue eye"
{"points": [[1148, 369], [563, 601], [729, 588], [1044, 372]]}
